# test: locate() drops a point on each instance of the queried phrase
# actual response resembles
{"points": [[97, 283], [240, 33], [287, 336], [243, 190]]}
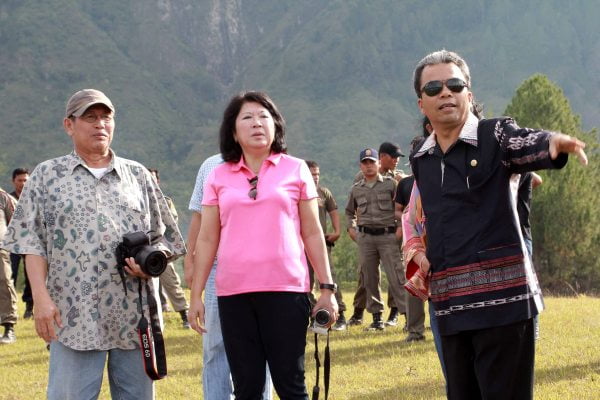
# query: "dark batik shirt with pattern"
{"points": [[480, 276], [75, 221]]}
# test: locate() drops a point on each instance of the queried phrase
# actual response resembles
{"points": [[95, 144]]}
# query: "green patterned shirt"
{"points": [[75, 221]]}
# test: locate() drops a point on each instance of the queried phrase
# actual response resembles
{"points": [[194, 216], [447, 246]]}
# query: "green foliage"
{"points": [[565, 216]]}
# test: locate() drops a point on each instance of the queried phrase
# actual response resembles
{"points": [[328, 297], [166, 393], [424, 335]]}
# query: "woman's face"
{"points": [[254, 127]]}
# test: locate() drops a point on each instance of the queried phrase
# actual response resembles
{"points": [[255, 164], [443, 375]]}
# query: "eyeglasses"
{"points": [[253, 190], [92, 118], [433, 88]]}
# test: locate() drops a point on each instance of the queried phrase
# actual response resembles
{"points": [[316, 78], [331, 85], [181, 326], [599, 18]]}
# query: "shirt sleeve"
{"points": [[351, 211], [196, 199], [164, 230], [526, 149], [330, 203], [210, 197], [308, 190]]}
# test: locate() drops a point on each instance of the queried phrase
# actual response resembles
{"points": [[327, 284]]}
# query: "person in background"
{"points": [[70, 218], [372, 225], [19, 178], [389, 154], [328, 205], [8, 295], [260, 212], [169, 279]]}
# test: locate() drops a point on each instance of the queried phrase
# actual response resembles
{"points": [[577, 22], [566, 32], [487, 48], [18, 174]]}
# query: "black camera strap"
{"points": [[326, 369], [151, 338]]}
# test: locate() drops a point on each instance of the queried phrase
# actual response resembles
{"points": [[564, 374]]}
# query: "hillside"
{"points": [[340, 71]]}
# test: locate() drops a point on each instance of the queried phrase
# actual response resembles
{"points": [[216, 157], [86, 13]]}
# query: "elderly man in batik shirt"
{"points": [[70, 218]]}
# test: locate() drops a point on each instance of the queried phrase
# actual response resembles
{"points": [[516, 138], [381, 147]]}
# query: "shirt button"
{"points": [[473, 163]]}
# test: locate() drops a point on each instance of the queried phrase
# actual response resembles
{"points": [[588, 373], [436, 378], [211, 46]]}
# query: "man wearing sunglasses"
{"points": [[483, 286]]}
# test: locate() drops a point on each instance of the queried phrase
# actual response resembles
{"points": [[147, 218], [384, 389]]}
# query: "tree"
{"points": [[565, 216]]}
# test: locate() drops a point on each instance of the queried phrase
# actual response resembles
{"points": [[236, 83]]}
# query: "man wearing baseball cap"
{"points": [[70, 218], [372, 224], [388, 155]]}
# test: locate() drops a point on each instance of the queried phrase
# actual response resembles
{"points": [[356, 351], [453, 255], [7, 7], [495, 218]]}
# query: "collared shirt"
{"points": [[7, 207], [326, 205], [480, 277], [75, 221], [261, 247], [205, 169], [372, 206]]}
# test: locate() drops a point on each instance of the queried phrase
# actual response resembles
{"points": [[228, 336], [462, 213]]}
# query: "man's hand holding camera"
{"points": [[135, 269]]}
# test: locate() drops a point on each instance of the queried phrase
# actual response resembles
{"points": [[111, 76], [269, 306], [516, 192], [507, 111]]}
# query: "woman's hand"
{"points": [[196, 315], [327, 302]]}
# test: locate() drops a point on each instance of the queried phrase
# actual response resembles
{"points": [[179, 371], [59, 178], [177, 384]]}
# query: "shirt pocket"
{"points": [[384, 201], [361, 204], [131, 212]]}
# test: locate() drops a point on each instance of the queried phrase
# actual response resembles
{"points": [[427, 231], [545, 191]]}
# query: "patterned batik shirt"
{"points": [[75, 221]]}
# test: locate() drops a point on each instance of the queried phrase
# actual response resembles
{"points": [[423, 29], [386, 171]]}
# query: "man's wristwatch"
{"points": [[331, 286]]}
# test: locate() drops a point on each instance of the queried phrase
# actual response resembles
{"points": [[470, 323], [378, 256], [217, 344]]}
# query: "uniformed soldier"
{"points": [[389, 154], [372, 224]]}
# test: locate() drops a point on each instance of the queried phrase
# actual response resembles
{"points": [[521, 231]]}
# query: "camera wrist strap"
{"points": [[153, 345], [326, 368]]}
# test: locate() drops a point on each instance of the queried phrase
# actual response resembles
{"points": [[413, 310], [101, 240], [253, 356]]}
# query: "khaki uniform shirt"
{"points": [[75, 221], [326, 205], [372, 206], [7, 207]]}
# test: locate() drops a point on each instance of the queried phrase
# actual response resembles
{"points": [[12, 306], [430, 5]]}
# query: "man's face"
{"points": [[387, 162], [446, 109], [19, 182], [316, 173], [369, 168], [91, 133]]}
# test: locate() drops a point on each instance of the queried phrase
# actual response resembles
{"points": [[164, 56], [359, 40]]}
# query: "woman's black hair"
{"points": [[231, 151]]}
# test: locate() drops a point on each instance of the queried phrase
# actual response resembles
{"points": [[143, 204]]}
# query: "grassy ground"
{"points": [[364, 365]]}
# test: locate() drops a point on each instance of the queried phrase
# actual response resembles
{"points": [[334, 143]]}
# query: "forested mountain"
{"points": [[340, 71]]}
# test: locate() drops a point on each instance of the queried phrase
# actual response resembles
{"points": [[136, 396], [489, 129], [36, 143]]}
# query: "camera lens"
{"points": [[153, 262], [322, 317]]}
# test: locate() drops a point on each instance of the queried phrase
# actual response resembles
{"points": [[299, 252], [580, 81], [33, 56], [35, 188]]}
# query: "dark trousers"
{"points": [[489, 364], [15, 259], [265, 327]]}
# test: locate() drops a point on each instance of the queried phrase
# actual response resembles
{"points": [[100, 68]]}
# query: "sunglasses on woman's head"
{"points": [[253, 190], [433, 88]]}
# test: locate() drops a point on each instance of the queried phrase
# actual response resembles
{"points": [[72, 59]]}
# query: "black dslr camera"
{"points": [[137, 245], [322, 319]]}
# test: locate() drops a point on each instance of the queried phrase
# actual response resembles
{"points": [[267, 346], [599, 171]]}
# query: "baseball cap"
{"points": [[390, 148], [369, 154], [84, 99]]}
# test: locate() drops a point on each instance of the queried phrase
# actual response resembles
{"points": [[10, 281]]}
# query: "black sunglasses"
{"points": [[433, 88], [253, 191]]}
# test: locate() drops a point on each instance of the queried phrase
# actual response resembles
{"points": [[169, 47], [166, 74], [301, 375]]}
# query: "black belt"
{"points": [[377, 231]]}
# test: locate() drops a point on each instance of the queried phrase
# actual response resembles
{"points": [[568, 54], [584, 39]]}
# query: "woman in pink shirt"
{"points": [[259, 216]]}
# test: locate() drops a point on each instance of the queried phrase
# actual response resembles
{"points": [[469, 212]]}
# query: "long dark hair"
{"points": [[230, 149]]}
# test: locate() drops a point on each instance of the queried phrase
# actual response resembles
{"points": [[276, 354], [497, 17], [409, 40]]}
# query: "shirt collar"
{"points": [[379, 179], [468, 134], [273, 158], [114, 164]]}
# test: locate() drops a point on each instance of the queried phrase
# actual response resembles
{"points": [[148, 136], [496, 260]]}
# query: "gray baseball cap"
{"points": [[84, 99]]}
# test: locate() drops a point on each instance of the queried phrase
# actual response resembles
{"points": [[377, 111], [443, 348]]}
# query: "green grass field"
{"points": [[365, 365]]}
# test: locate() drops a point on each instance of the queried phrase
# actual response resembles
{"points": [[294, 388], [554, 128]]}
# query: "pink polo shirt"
{"points": [[260, 248]]}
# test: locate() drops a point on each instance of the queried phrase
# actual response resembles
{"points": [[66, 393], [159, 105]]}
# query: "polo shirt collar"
{"points": [[468, 134], [273, 158]]}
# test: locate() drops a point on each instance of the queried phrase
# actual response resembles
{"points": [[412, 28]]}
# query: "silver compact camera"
{"points": [[322, 319]]}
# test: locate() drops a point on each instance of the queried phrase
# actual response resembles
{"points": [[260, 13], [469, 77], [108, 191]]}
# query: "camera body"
{"points": [[137, 245], [322, 319]]}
